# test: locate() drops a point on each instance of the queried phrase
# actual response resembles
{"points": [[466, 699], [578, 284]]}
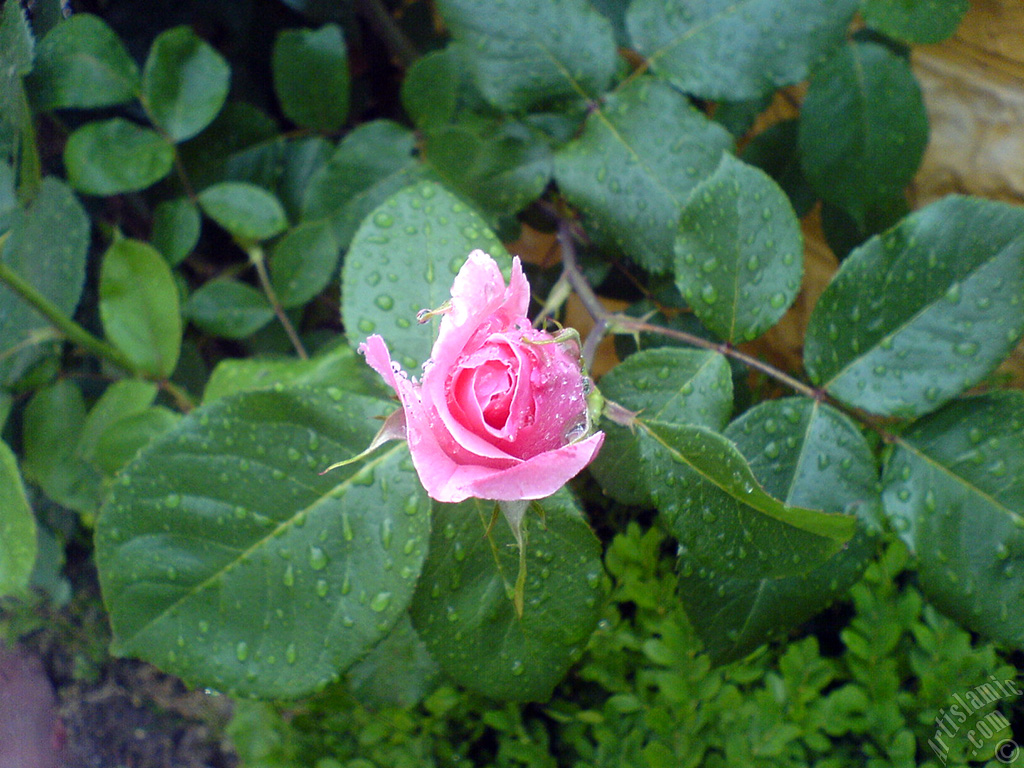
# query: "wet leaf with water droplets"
{"points": [[216, 522], [723, 231], [826, 465], [468, 622], [953, 488], [908, 346]]}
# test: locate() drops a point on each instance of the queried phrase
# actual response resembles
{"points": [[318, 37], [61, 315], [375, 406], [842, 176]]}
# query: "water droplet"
{"points": [[290, 654], [823, 461], [778, 300], [317, 559], [289, 576], [385, 302], [709, 294], [366, 326], [518, 668], [953, 293], [242, 651], [172, 500], [321, 587], [772, 450]]}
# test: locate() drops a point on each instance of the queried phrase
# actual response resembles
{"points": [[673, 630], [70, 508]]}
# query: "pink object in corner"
{"points": [[31, 734], [501, 410]]}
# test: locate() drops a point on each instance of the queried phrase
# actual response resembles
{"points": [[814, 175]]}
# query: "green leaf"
{"points": [[463, 609], [176, 227], [338, 368], [722, 517], [954, 490], [915, 21], [228, 308], [221, 545], [109, 157], [139, 306], [122, 440], [120, 400], [403, 259], [302, 160], [641, 153], [502, 168], [54, 420], [371, 164], [184, 83], [806, 454], [47, 246], [17, 528], [521, 53], [666, 385], [736, 49], [430, 89], [81, 63], [303, 262], [923, 312], [863, 127], [311, 77], [16, 54], [246, 211], [739, 252]]}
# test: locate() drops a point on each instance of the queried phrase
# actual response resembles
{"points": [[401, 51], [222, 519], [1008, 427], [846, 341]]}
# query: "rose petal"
{"points": [[534, 478]]}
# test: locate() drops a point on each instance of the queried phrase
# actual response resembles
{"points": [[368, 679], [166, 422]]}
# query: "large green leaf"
{"points": [[82, 63], [720, 514], [17, 528], [139, 306], [736, 49], [521, 53], [666, 385], [641, 153], [311, 77], [915, 21], [954, 490], [739, 252], [463, 608], [403, 259], [227, 559], [184, 83], [338, 367], [371, 164], [47, 246], [806, 454], [109, 157], [923, 312], [863, 127]]}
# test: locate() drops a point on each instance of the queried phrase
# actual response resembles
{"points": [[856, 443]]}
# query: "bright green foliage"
{"points": [[954, 488], [81, 63], [738, 252], [806, 454], [253, 523], [515, 66], [670, 386], [728, 49], [46, 245], [462, 608], [17, 528], [863, 128], [139, 306], [228, 308], [641, 153], [915, 21], [923, 312], [311, 77], [113, 156], [402, 260], [184, 83]]}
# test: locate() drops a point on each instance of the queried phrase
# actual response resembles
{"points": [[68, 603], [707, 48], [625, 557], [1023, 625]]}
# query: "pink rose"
{"points": [[501, 410]]}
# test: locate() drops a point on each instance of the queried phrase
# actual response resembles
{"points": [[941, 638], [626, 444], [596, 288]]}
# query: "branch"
{"points": [[384, 26], [257, 258]]}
